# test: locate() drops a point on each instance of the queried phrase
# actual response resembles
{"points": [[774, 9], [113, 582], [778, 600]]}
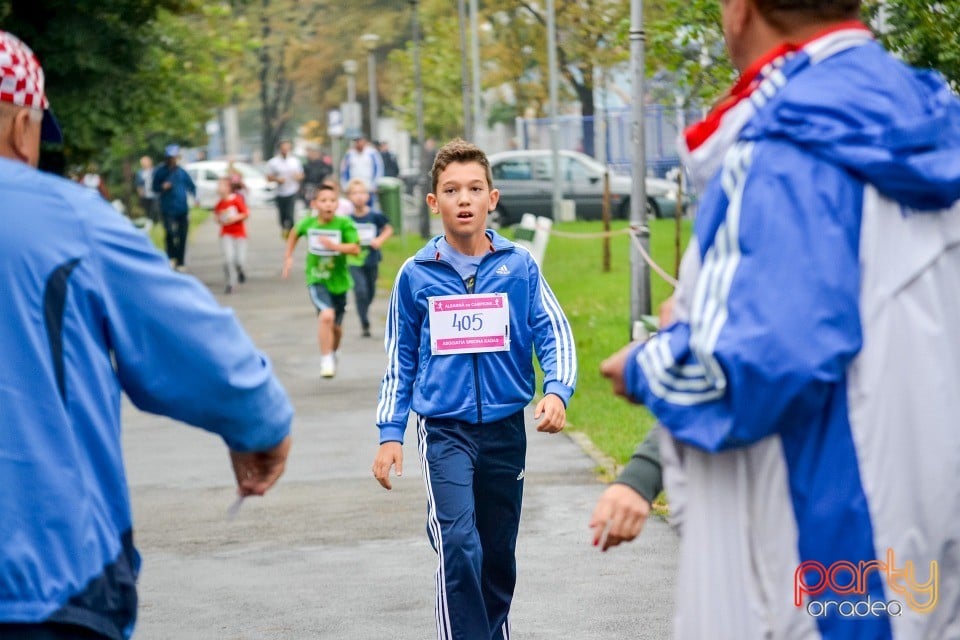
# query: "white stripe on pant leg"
{"points": [[444, 631], [506, 628]]}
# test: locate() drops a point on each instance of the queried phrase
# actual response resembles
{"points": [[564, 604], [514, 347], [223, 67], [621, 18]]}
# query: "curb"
{"points": [[607, 467]]}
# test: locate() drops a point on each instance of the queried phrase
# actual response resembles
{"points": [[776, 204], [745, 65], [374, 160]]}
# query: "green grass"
{"points": [[598, 307]]}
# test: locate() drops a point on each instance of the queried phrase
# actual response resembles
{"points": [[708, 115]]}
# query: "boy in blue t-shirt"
{"points": [[374, 229]]}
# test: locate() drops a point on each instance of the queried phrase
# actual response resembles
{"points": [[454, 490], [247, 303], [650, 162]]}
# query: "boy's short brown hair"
{"points": [[784, 13], [459, 150]]}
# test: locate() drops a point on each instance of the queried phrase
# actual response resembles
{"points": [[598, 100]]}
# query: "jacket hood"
{"points": [[893, 126]]}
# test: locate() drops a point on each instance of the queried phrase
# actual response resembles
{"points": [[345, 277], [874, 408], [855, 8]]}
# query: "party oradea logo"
{"points": [[845, 578]]}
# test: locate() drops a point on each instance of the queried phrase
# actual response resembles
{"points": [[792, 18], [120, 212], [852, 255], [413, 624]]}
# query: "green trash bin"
{"points": [[388, 193]]}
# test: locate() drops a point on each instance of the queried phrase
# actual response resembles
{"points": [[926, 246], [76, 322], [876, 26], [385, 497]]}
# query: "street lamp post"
{"points": [[350, 68], [639, 271], [370, 41], [422, 167]]}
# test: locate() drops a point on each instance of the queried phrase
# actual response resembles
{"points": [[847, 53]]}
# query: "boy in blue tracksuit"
{"points": [[465, 315]]}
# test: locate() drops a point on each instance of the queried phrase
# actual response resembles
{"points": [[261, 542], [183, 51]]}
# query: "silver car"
{"points": [[524, 179]]}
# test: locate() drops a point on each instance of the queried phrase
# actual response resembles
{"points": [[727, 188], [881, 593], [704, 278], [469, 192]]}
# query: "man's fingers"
{"points": [[399, 463]]}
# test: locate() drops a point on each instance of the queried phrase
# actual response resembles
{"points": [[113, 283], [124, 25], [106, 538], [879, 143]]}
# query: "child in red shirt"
{"points": [[230, 213]]}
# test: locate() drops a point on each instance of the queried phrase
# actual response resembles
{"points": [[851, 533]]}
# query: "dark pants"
{"points": [[285, 205], [47, 631], [176, 228], [364, 288], [151, 208], [474, 480]]}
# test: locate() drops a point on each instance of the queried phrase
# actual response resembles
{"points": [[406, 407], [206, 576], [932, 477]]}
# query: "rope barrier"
{"points": [[632, 231]]}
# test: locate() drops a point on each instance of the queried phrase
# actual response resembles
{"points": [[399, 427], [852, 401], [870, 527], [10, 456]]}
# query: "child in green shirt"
{"points": [[330, 238]]}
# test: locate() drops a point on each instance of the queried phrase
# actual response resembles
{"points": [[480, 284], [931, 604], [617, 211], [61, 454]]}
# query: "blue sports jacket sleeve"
{"points": [[402, 342], [178, 352], [774, 319], [552, 338]]}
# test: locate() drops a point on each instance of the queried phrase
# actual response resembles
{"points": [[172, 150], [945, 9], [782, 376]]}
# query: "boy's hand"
{"points": [[618, 517], [554, 414], [389, 454], [287, 263], [329, 244]]}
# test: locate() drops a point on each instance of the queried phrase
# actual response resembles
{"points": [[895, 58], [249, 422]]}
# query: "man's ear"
{"points": [[20, 141], [736, 16]]}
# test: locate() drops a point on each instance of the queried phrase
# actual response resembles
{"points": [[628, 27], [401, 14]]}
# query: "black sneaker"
{"points": [[241, 276], [366, 332]]}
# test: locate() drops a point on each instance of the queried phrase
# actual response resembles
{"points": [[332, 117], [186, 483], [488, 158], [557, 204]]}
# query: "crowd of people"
{"points": [[804, 377]]}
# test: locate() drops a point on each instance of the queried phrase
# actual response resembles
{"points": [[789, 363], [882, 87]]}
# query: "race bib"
{"points": [[367, 232], [472, 323], [314, 245]]}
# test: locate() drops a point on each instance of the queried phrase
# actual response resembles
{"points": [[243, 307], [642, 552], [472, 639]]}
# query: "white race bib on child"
{"points": [[472, 323], [316, 247], [367, 232]]}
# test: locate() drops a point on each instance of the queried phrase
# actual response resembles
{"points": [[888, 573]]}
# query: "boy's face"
{"points": [[463, 199], [359, 197], [325, 203]]}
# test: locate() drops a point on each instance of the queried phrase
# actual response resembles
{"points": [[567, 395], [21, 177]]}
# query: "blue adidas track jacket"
{"points": [[474, 388], [91, 309]]}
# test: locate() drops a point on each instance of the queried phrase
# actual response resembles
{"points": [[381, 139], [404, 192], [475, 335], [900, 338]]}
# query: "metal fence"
{"points": [[662, 125]]}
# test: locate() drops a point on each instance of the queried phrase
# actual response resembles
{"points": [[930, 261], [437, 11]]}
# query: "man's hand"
{"points": [[618, 517], [389, 454], [257, 471], [554, 414], [613, 367]]}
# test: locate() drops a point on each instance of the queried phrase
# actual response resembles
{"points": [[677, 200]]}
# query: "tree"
{"points": [[921, 31], [685, 42], [126, 76], [586, 31]]}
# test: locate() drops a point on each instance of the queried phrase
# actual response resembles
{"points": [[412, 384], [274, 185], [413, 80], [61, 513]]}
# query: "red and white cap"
{"points": [[21, 83]]}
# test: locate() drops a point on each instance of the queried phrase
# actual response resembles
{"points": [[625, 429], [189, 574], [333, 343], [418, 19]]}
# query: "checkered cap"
{"points": [[21, 77]]}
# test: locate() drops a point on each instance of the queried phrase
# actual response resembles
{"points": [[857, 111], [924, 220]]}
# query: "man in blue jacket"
{"points": [[464, 319], [809, 387], [174, 184], [87, 306]]}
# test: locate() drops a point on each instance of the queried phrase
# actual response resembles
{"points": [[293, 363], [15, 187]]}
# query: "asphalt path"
{"points": [[328, 553]]}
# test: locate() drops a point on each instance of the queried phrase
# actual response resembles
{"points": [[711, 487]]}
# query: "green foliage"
{"points": [[123, 72], [685, 41], [923, 32]]}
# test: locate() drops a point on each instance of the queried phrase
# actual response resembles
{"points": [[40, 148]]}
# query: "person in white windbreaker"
{"points": [[809, 385]]}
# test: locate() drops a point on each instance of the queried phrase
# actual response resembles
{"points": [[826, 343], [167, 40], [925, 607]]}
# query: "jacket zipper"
{"points": [[476, 367]]}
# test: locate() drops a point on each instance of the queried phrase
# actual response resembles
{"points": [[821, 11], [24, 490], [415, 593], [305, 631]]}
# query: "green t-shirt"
{"points": [[330, 271]]}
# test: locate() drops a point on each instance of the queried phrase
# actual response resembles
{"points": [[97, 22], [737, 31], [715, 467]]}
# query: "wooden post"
{"points": [[678, 219], [606, 221]]}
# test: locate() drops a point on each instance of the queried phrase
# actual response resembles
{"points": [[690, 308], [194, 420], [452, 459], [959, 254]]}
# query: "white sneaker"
{"points": [[328, 367]]}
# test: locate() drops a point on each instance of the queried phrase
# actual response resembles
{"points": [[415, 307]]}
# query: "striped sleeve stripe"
{"points": [[657, 377], [387, 404], [566, 350], [710, 307]]}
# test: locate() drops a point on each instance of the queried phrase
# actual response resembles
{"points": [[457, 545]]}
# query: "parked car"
{"points": [[206, 173], [524, 179]]}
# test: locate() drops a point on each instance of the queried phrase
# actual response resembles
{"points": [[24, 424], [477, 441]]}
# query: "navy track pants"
{"points": [[474, 480]]}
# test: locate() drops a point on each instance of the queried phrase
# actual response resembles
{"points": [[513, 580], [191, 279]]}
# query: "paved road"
{"points": [[329, 554]]}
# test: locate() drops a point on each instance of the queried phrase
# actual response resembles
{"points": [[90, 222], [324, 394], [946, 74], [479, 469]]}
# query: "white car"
{"points": [[206, 173]]}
